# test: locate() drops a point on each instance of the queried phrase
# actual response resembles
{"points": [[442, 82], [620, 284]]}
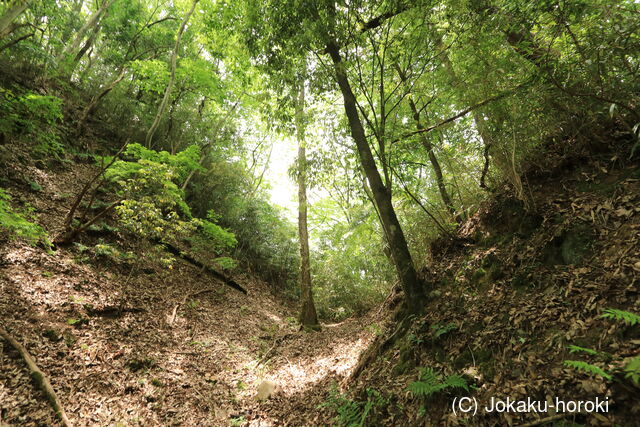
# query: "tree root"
{"points": [[39, 377], [380, 345]]}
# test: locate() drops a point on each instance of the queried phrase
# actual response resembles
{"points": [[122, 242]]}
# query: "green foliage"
{"points": [[438, 330], [152, 202], [600, 354], [351, 272], [587, 367], [32, 117], [237, 421], [627, 317], [219, 237], [430, 383], [17, 224], [351, 413], [632, 370]]}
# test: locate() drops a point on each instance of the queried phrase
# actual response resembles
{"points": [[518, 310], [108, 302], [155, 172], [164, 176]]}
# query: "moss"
{"points": [[407, 360]]}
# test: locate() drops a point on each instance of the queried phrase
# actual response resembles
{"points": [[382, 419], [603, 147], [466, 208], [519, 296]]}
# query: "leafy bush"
{"points": [[17, 225], [152, 202]]}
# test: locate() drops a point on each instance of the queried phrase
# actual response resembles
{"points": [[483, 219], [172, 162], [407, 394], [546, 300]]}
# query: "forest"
{"points": [[319, 213]]}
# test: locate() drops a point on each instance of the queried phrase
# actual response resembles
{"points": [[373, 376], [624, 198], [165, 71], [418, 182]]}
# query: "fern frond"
{"points": [[430, 383], [587, 367], [428, 375], [632, 370], [420, 388], [456, 381], [621, 315]]}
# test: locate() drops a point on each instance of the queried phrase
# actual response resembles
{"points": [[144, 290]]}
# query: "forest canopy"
{"points": [[405, 113]]}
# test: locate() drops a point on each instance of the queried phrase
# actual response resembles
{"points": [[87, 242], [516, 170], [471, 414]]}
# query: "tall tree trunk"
{"points": [[70, 25], [172, 78], [308, 316], [10, 15], [400, 254], [91, 23]]}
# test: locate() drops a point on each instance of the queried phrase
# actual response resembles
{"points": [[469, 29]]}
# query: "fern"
{"points": [[632, 370], [621, 315], [587, 367], [455, 381], [439, 330], [352, 413], [431, 383], [592, 352]]}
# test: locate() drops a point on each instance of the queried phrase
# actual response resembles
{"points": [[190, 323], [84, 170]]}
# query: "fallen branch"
{"points": [[177, 252], [276, 342], [39, 377], [174, 312]]}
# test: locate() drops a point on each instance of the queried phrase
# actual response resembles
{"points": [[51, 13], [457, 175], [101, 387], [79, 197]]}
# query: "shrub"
{"points": [[35, 117], [17, 225]]}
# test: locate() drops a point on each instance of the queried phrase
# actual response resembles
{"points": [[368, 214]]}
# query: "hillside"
{"points": [[330, 213]]}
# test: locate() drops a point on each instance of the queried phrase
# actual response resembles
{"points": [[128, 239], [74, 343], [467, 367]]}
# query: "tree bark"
{"points": [[10, 15], [96, 99], [172, 78], [400, 254], [308, 315]]}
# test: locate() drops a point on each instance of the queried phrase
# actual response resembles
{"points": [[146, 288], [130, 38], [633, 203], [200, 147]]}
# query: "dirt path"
{"points": [[185, 349]]}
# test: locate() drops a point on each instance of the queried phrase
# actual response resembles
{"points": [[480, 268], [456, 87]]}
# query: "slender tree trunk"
{"points": [[10, 15], [91, 23], [308, 316], [96, 99], [85, 47], [167, 92], [71, 22], [400, 254], [435, 164], [478, 119]]}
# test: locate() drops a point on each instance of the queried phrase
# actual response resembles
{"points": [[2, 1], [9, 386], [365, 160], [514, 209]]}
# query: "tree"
{"points": [[308, 316], [398, 247], [12, 11], [91, 25], [172, 78]]}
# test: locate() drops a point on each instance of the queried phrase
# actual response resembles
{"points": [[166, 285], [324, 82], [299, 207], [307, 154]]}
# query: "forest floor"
{"points": [[126, 343]]}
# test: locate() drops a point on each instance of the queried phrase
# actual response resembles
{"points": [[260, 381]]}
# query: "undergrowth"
{"points": [[17, 224]]}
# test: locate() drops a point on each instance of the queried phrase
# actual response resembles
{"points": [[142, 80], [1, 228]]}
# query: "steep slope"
{"points": [[514, 291], [129, 342]]}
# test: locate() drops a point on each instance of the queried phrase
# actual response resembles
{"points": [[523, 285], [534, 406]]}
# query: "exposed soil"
{"points": [[129, 342]]}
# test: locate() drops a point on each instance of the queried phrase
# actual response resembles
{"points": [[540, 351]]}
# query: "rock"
{"points": [[266, 389]]}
